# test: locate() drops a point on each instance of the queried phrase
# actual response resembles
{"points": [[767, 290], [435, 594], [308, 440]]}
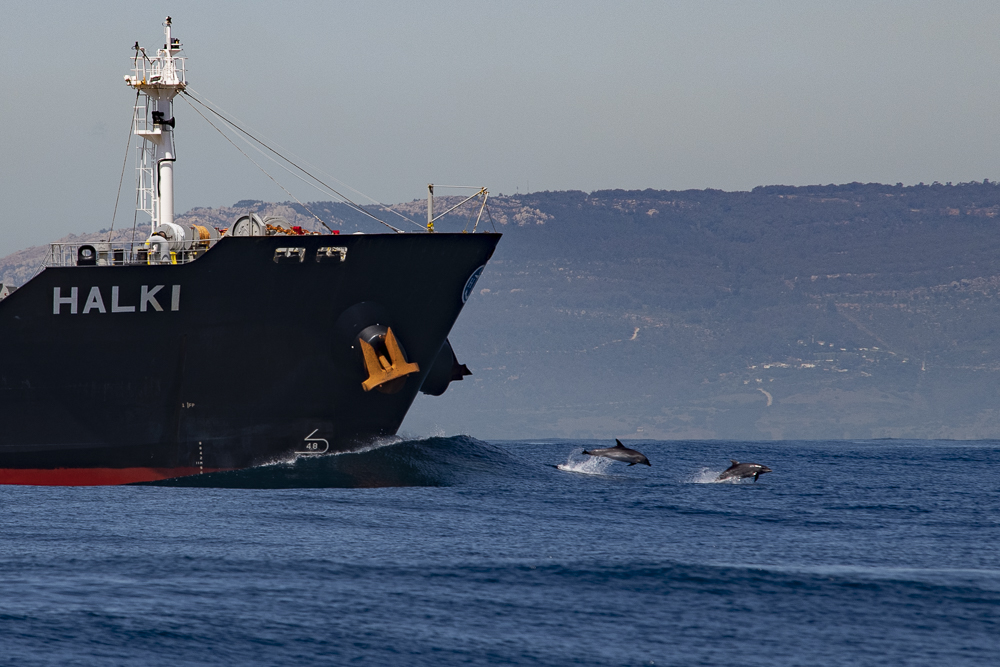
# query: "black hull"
{"points": [[236, 361]]}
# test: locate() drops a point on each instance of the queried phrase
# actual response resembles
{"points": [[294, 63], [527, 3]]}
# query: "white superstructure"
{"points": [[157, 80]]}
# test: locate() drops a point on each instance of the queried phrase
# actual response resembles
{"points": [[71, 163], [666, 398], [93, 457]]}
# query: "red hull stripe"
{"points": [[92, 476]]}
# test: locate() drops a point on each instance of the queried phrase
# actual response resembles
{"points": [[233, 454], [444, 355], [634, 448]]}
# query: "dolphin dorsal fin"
{"points": [[619, 444], [734, 462]]}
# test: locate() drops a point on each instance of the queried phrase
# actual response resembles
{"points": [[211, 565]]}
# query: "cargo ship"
{"points": [[200, 350]]}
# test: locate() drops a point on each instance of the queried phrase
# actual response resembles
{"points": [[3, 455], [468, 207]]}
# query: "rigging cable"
{"points": [[121, 178], [261, 168], [347, 200], [491, 219], [351, 204], [325, 189], [135, 219]]}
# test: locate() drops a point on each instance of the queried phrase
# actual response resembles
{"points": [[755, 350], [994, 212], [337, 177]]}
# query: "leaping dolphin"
{"points": [[620, 453], [743, 470]]}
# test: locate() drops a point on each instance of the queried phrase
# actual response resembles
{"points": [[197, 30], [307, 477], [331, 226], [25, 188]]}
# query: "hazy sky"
{"points": [[548, 95]]}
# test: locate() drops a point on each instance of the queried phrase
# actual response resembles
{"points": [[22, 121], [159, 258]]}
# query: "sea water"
{"points": [[450, 551]]}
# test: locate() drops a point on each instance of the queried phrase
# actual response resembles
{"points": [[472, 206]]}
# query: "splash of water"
{"points": [[388, 461], [371, 445], [380, 442], [579, 462], [709, 476]]}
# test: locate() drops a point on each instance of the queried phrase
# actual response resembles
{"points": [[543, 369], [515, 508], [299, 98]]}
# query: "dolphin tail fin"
{"points": [[587, 453], [619, 443]]}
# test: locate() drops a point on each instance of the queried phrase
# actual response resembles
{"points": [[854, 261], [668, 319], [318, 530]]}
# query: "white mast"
{"points": [[158, 80]]}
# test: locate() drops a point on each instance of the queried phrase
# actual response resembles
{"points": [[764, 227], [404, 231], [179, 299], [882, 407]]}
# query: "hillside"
{"points": [[857, 310]]}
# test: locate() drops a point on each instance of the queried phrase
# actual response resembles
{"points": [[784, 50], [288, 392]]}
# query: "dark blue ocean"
{"points": [[451, 551]]}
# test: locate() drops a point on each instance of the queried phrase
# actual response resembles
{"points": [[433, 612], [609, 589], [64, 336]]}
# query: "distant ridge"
{"points": [[827, 311], [18, 267]]}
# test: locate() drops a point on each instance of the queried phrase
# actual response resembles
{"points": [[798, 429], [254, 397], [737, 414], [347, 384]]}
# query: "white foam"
{"points": [[709, 476], [436, 432], [584, 464], [375, 443]]}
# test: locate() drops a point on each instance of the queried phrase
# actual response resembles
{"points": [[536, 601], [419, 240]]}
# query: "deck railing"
{"points": [[103, 253]]}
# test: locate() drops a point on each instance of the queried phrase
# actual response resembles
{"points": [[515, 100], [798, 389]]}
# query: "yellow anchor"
{"points": [[382, 370]]}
